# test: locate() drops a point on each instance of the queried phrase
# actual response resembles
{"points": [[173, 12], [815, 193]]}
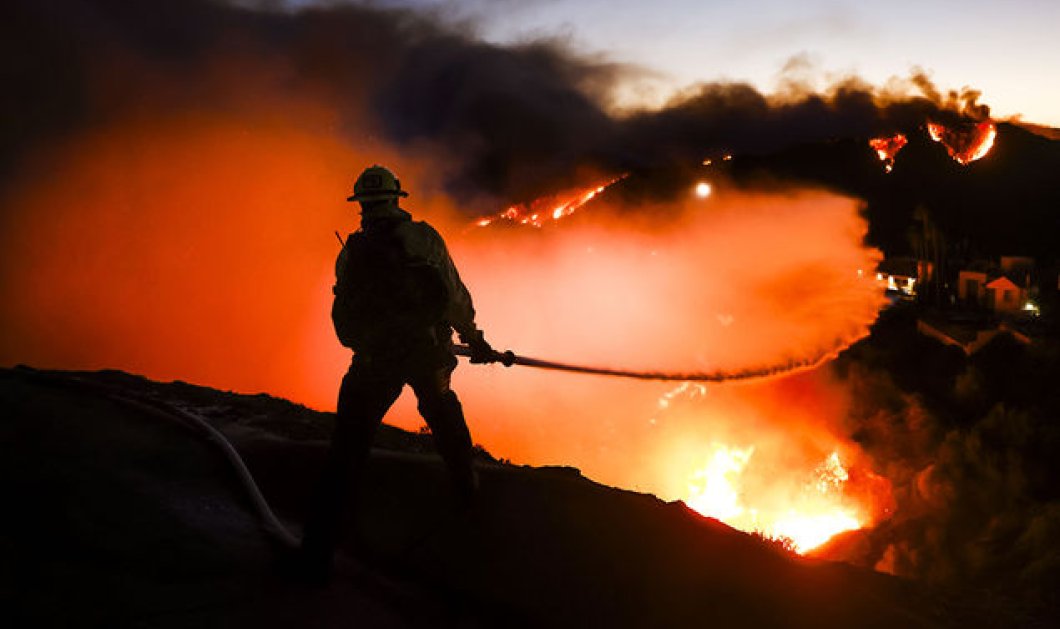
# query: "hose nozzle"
{"points": [[506, 358]]}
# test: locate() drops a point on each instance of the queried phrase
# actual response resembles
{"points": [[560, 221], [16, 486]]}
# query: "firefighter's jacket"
{"points": [[422, 245]]}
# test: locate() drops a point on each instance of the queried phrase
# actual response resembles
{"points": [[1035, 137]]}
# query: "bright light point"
{"points": [[703, 190]]}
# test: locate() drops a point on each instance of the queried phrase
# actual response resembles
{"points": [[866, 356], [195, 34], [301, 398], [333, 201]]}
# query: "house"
{"points": [[903, 275], [1004, 296], [1003, 289]]}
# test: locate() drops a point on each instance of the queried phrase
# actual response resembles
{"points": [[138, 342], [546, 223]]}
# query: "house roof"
{"points": [[1002, 282]]}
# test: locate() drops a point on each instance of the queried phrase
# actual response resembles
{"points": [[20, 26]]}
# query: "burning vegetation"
{"points": [[816, 512], [965, 142], [548, 209], [887, 148], [787, 482]]}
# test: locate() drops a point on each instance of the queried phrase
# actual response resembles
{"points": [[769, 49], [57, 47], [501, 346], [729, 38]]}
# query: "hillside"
{"points": [[121, 515]]}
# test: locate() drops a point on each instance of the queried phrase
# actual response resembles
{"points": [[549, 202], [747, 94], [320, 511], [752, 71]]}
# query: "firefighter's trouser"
{"points": [[368, 390]]}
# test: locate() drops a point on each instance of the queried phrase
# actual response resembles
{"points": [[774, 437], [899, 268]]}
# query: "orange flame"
{"points": [[808, 517], [966, 143], [887, 148], [553, 208]]}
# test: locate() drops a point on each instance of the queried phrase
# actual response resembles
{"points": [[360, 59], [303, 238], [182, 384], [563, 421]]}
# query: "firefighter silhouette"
{"points": [[398, 297]]}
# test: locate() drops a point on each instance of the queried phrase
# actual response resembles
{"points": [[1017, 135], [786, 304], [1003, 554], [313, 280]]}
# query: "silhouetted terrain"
{"points": [[120, 515]]}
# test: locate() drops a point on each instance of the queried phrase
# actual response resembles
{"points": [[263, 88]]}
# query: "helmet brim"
{"points": [[377, 196]]}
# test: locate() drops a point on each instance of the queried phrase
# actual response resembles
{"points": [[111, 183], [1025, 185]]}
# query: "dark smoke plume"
{"points": [[735, 117], [512, 122]]}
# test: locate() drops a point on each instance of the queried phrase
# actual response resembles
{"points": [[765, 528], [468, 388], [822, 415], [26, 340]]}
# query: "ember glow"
{"points": [[887, 148], [965, 143], [551, 208]]}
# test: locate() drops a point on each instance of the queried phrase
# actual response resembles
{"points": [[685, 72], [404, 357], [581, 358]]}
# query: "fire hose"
{"points": [[509, 358]]}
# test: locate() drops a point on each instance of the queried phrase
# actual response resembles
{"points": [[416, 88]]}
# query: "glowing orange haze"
{"points": [[201, 248]]}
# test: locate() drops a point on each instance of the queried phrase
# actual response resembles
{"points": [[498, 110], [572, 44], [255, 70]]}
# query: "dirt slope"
{"points": [[120, 515]]}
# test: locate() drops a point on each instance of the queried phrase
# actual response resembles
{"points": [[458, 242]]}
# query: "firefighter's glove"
{"points": [[481, 351]]}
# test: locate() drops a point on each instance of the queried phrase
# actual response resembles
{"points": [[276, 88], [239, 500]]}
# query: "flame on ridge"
{"points": [[887, 148], [813, 515], [965, 143], [540, 211]]}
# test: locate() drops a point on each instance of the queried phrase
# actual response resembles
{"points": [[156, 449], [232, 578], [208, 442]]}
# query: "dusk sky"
{"points": [[1008, 50]]}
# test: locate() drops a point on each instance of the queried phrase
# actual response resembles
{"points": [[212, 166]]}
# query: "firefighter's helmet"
{"points": [[376, 183]]}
